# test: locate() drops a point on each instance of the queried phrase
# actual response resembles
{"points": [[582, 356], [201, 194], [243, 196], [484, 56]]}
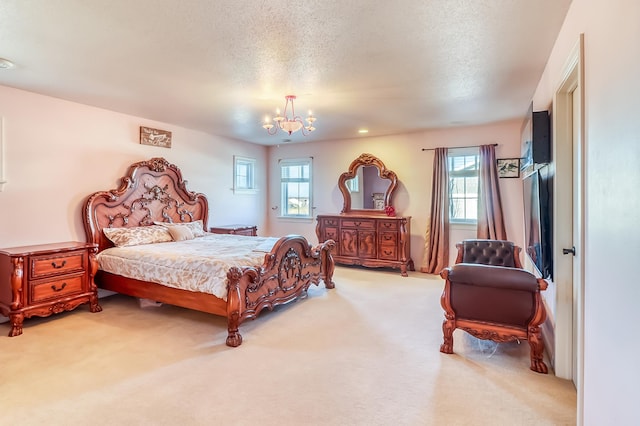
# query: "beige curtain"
{"points": [[437, 237], [490, 219]]}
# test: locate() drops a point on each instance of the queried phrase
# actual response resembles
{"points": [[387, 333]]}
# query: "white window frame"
{"points": [[462, 152], [284, 210], [249, 186]]}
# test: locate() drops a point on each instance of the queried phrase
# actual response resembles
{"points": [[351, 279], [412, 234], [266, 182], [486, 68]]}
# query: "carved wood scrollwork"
{"points": [[384, 173], [151, 191], [153, 194], [290, 270]]}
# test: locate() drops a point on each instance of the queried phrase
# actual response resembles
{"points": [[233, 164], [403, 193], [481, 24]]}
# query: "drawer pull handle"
{"points": [[388, 253], [56, 266], [387, 225], [357, 223], [53, 287]]}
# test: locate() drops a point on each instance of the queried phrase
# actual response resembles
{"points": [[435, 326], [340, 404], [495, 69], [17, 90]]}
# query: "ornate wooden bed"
{"points": [[154, 190]]}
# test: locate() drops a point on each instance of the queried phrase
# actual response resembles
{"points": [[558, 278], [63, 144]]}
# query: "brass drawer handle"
{"points": [[56, 266], [53, 287]]}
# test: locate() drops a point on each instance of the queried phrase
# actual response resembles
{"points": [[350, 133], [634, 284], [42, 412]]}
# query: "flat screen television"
{"points": [[538, 229]]}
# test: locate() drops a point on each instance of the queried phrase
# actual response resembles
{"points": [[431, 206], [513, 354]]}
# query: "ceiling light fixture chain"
{"points": [[289, 124]]}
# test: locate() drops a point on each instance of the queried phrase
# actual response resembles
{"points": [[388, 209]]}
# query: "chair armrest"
{"points": [[492, 276]]}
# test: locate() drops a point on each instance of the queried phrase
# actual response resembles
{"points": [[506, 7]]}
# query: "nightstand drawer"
{"points": [[44, 266], [56, 288]]}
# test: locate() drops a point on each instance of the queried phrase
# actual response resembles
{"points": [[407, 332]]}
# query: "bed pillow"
{"points": [[124, 237], [180, 233], [196, 226]]}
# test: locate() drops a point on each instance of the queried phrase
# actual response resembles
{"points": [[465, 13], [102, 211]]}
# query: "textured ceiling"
{"points": [[221, 66]]}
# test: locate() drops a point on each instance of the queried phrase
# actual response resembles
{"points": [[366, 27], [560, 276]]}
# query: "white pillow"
{"points": [[180, 233], [123, 237], [196, 226]]}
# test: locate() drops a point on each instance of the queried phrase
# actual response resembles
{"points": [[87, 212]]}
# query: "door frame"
{"points": [[567, 174]]}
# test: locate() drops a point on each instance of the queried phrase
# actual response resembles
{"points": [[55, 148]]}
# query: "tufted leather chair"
{"points": [[488, 294]]}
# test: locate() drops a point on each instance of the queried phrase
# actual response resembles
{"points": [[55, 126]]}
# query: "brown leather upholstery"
{"points": [[488, 252], [489, 295]]}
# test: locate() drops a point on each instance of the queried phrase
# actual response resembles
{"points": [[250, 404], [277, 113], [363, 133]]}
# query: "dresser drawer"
{"points": [[388, 252], [56, 288], [330, 222], [44, 266], [330, 234], [388, 238], [358, 223], [388, 225]]}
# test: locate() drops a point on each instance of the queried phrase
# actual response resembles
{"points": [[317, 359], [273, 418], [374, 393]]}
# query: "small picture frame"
{"points": [[508, 167], [155, 137]]}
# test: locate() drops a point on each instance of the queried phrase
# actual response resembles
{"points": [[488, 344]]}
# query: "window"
{"points": [[463, 186], [353, 184], [295, 187], [244, 175]]}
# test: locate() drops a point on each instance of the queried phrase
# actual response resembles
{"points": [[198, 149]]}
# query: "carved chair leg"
{"points": [[448, 325], [537, 350]]}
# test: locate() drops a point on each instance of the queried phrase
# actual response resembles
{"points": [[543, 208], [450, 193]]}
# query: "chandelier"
{"points": [[289, 124]]}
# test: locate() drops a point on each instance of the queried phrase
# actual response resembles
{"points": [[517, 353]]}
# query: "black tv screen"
{"points": [[537, 222]]}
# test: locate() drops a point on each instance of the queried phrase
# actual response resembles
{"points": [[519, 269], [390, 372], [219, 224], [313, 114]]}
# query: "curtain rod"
{"points": [[458, 147]]}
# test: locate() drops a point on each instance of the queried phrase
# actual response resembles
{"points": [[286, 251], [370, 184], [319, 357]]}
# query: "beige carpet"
{"points": [[365, 353]]}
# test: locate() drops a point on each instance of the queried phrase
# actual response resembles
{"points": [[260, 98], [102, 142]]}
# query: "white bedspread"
{"points": [[200, 264]]}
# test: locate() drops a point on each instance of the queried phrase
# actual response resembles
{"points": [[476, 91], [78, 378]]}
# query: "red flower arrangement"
{"points": [[390, 211]]}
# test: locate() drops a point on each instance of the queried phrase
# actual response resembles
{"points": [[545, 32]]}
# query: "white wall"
{"points": [[59, 152], [403, 154], [612, 100]]}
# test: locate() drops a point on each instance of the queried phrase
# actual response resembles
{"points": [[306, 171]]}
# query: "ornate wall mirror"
{"points": [[367, 185]]}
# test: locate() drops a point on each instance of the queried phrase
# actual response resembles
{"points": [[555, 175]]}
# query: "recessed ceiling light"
{"points": [[6, 64], [363, 131]]}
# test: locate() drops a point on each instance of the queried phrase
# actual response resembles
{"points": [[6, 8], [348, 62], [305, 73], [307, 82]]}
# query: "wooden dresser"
{"points": [[46, 279], [368, 240]]}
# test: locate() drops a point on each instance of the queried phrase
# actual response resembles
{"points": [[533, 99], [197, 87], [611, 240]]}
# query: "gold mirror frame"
{"points": [[383, 172]]}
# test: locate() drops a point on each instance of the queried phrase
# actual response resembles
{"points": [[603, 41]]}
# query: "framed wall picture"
{"points": [[155, 137], [508, 167]]}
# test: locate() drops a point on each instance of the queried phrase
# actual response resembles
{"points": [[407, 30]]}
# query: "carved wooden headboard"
{"points": [[151, 191]]}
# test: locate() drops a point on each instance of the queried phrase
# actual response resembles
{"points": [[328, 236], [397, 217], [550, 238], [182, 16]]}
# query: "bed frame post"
{"points": [[328, 265], [234, 338]]}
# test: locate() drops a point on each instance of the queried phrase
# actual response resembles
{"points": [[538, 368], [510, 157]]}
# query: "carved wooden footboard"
{"points": [[286, 274]]}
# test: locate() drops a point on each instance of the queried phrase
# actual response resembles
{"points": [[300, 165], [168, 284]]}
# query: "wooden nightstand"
{"points": [[250, 230], [46, 279]]}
